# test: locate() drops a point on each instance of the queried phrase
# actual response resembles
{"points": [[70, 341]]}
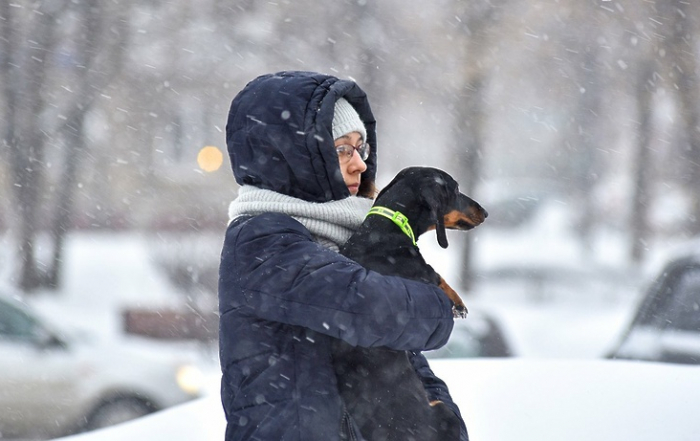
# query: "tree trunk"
{"points": [[25, 74], [683, 47], [29, 41], [91, 79], [75, 145], [587, 143], [469, 139], [642, 166]]}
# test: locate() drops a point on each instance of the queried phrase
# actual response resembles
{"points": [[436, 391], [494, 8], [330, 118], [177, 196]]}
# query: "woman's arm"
{"points": [[272, 268], [436, 388]]}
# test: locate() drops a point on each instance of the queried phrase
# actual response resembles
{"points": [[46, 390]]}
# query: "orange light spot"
{"points": [[210, 158]]}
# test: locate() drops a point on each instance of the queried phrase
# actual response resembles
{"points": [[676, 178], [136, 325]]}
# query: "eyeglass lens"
{"points": [[346, 151]]}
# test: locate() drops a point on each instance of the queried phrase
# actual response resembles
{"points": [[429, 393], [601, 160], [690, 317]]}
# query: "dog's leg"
{"points": [[459, 310], [445, 424]]}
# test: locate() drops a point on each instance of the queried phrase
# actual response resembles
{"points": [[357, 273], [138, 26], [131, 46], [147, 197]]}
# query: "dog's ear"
{"points": [[431, 198], [440, 230]]}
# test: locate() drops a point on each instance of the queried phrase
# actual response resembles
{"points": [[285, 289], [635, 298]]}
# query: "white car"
{"points": [[508, 399], [51, 385]]}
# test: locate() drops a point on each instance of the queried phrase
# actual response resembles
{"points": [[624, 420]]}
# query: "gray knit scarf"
{"points": [[331, 223]]}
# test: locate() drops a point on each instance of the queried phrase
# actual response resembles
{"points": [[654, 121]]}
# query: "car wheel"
{"points": [[117, 411]]}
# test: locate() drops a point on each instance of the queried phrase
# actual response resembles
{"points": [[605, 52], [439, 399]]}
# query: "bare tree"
{"points": [[667, 57], [682, 46], [28, 44], [477, 28], [32, 39], [99, 53], [642, 160]]}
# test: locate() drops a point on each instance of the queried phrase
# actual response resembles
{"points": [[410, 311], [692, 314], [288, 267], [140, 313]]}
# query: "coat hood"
{"points": [[279, 135]]}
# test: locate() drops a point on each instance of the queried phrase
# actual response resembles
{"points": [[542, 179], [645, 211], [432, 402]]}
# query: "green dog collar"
{"points": [[397, 217]]}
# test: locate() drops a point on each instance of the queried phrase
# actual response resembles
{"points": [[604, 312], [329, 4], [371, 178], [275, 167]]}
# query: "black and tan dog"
{"points": [[379, 386]]}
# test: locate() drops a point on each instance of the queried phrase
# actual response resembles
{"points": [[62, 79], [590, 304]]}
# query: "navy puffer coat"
{"points": [[282, 296]]}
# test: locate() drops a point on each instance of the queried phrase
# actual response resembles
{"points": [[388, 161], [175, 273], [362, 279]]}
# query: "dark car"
{"points": [[479, 335], [666, 325]]}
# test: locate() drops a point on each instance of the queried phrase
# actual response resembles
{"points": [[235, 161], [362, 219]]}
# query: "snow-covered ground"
{"points": [[509, 400]]}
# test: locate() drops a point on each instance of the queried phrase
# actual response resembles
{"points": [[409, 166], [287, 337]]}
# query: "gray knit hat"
{"points": [[346, 120]]}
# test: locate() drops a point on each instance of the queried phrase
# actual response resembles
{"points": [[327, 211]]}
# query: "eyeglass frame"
{"points": [[344, 156]]}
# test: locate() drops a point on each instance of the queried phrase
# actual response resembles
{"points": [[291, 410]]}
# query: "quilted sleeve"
{"points": [[273, 270]]}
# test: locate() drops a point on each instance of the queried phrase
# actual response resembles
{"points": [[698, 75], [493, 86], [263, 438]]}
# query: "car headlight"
{"points": [[190, 379]]}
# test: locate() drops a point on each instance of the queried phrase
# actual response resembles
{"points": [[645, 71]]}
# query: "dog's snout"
{"points": [[467, 215], [478, 213]]}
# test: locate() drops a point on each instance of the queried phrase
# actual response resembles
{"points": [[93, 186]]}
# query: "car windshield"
{"points": [[15, 323], [684, 309]]}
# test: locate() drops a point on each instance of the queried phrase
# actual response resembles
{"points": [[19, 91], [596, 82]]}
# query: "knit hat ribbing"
{"points": [[346, 120]]}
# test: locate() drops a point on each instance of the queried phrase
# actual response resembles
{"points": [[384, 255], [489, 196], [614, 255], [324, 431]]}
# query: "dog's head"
{"points": [[442, 205]]}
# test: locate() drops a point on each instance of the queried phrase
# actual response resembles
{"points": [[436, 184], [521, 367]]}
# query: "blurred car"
{"points": [[511, 399], [479, 335], [666, 324], [53, 385]]}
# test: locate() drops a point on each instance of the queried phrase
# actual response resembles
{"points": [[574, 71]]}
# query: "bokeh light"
{"points": [[210, 158]]}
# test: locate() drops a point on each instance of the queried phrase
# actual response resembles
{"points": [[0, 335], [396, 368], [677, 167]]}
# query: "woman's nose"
{"points": [[357, 163]]}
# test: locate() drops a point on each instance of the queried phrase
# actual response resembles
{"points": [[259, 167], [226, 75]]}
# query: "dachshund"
{"points": [[379, 386]]}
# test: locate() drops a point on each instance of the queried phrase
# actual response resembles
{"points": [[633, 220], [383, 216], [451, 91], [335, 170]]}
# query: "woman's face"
{"points": [[353, 167]]}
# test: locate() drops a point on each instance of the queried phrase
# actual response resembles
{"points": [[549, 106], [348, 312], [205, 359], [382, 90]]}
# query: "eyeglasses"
{"points": [[345, 151]]}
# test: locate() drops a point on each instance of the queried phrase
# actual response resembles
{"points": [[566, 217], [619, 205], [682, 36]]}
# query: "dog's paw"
{"points": [[459, 311]]}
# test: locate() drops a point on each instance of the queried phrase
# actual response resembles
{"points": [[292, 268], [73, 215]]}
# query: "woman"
{"points": [[303, 148]]}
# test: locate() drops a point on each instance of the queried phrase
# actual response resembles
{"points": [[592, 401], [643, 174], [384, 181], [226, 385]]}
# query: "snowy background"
{"points": [[573, 123]]}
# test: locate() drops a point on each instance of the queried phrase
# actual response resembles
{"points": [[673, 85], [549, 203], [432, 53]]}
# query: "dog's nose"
{"points": [[478, 213]]}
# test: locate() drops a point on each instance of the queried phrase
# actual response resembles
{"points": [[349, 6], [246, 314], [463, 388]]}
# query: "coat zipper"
{"points": [[348, 427]]}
